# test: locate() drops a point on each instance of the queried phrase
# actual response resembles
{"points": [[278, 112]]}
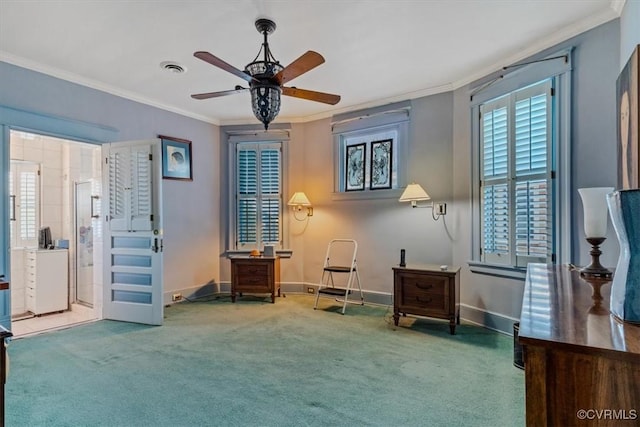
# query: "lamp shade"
{"points": [[413, 193], [299, 199], [594, 202]]}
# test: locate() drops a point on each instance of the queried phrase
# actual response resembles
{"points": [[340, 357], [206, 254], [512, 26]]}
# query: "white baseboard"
{"points": [[474, 315], [488, 319]]}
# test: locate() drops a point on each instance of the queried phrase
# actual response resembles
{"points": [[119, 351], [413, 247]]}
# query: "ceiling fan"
{"points": [[266, 78]]}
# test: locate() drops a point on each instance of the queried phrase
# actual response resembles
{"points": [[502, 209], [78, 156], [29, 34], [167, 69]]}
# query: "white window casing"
{"points": [[369, 127], [520, 138], [257, 187]]}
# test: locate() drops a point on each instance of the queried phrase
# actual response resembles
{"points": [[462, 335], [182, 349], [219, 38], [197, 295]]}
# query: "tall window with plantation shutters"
{"points": [[516, 171], [258, 195]]}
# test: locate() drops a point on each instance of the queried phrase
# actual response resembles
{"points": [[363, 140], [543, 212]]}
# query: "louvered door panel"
{"points": [[141, 183], [119, 179]]}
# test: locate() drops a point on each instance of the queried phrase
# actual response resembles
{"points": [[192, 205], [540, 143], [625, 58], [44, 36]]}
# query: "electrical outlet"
{"points": [[310, 290], [176, 297], [441, 208]]}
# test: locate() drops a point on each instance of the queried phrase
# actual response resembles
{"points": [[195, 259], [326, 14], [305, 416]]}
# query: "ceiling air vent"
{"points": [[172, 67]]}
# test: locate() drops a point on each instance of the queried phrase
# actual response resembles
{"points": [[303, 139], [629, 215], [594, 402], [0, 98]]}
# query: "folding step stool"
{"points": [[327, 286]]}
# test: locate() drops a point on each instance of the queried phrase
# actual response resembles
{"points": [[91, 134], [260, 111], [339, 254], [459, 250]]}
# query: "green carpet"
{"points": [[253, 363]]}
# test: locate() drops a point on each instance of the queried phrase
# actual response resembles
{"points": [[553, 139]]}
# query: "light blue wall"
{"points": [[191, 209], [594, 141], [440, 158], [381, 226], [493, 300], [629, 30]]}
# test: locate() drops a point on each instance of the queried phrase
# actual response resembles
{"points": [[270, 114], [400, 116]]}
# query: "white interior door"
{"points": [[133, 285]]}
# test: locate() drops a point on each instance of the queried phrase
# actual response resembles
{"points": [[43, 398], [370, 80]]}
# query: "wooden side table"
{"points": [[427, 290], [259, 275]]}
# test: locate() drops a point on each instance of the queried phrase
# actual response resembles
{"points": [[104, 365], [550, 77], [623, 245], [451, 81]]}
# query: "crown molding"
{"points": [[612, 12], [93, 84], [617, 6], [550, 41]]}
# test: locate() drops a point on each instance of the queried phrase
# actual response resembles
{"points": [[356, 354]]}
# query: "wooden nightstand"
{"points": [[426, 290], [259, 275]]}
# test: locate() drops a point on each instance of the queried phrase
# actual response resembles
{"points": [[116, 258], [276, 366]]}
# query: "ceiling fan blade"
{"points": [[218, 94], [326, 98], [307, 61], [214, 60]]}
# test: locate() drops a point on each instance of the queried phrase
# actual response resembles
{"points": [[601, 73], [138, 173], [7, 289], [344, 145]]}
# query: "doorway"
{"points": [[66, 172]]}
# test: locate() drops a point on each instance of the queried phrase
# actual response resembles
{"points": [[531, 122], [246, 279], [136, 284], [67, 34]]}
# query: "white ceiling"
{"points": [[376, 51]]}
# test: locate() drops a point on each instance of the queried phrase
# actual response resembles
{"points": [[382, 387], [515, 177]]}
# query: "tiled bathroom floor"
{"points": [[47, 322]]}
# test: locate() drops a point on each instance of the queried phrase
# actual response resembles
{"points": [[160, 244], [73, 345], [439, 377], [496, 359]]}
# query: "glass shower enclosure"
{"points": [[84, 229]]}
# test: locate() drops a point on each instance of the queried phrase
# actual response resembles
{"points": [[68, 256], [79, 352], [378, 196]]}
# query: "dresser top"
{"points": [[253, 258], [561, 308], [430, 268]]}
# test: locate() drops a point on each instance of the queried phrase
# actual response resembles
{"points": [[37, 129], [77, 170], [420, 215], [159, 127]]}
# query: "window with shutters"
{"points": [[516, 186], [371, 151], [24, 206], [258, 195]]}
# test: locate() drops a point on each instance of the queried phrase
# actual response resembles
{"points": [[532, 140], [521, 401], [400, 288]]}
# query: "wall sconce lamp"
{"points": [[414, 193], [298, 201]]}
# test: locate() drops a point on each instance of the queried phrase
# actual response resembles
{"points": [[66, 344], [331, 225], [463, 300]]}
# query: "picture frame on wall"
{"points": [[176, 158], [381, 154], [354, 167], [628, 119]]}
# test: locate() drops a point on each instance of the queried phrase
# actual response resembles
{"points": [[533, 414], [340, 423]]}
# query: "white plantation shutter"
{"points": [[28, 206], [118, 181], [141, 182], [516, 188], [24, 184], [496, 224], [130, 183], [270, 192], [532, 193], [13, 219], [247, 210], [258, 194], [495, 137], [533, 230]]}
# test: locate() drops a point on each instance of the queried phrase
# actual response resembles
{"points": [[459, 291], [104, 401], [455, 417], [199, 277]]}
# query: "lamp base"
{"points": [[595, 269]]}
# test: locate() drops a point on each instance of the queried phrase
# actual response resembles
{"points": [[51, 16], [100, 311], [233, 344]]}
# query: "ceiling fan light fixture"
{"points": [[265, 102], [266, 76], [263, 68]]}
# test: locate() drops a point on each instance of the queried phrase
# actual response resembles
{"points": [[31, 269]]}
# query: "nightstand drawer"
{"points": [[252, 281], [424, 284], [413, 296], [244, 270]]}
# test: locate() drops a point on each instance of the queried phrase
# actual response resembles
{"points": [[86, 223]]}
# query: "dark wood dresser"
{"points": [[4, 335], [582, 365], [259, 275], [427, 290]]}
